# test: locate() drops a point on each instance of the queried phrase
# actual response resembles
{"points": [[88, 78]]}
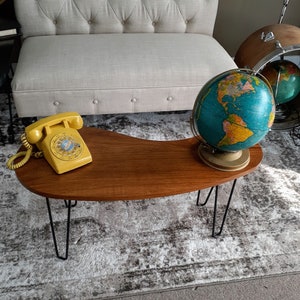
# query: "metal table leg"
{"points": [[69, 205], [214, 234]]}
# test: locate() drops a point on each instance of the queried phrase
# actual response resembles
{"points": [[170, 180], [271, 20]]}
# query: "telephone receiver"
{"points": [[58, 140]]}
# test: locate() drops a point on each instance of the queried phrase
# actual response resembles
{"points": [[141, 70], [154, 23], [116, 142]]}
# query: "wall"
{"points": [[237, 19]]}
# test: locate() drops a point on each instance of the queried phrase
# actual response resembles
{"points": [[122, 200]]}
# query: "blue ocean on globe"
{"points": [[234, 110]]}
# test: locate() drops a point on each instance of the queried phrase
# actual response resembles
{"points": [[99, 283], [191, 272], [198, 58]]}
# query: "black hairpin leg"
{"points": [[68, 204], [72, 205], [214, 234]]}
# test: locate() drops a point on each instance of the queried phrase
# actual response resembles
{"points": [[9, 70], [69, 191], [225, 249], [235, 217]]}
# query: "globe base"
{"points": [[224, 161]]}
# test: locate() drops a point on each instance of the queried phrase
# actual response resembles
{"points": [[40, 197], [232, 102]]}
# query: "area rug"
{"points": [[129, 247]]}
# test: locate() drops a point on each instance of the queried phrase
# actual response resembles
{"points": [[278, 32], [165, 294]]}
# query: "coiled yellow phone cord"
{"points": [[27, 154]]}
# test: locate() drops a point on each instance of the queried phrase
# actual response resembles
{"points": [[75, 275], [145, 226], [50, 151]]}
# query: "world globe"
{"points": [[232, 112], [284, 77]]}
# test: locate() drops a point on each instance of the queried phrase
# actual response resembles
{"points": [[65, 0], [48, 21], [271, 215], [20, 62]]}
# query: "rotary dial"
{"points": [[65, 147]]}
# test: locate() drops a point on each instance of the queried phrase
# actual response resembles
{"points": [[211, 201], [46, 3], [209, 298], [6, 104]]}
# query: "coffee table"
{"points": [[128, 168]]}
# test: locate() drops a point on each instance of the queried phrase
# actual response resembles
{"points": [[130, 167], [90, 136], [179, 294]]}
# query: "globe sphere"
{"points": [[234, 110], [284, 77]]}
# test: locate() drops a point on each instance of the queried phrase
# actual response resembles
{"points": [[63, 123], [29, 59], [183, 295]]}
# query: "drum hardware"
{"points": [[267, 37], [278, 46], [270, 36]]}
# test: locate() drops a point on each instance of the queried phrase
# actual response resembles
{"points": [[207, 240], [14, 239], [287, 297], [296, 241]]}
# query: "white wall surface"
{"points": [[237, 19]]}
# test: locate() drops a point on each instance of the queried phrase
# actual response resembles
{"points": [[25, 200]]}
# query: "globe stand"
{"points": [[224, 161]]}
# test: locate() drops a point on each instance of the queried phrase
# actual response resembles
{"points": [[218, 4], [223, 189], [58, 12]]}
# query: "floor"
{"points": [[283, 287]]}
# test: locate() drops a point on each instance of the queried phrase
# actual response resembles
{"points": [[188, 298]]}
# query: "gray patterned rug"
{"points": [[129, 247]]}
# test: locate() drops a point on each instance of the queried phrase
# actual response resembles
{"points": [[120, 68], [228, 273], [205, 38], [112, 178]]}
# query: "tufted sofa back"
{"points": [[56, 17]]}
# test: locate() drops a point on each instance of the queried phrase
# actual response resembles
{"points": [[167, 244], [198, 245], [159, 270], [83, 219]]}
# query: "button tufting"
{"points": [[95, 101], [170, 98], [133, 100], [56, 103], [54, 22], [90, 22], [153, 23]]}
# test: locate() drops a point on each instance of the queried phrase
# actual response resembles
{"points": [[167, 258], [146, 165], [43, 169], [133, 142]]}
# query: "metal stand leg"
{"points": [[214, 234], [68, 205]]}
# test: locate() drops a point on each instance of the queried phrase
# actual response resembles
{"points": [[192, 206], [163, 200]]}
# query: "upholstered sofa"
{"points": [[114, 56]]}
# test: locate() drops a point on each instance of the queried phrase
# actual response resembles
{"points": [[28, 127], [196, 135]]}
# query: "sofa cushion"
{"points": [[53, 17], [111, 73]]}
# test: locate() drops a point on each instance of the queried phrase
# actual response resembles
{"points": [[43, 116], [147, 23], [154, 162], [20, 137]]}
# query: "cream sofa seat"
{"points": [[130, 62]]}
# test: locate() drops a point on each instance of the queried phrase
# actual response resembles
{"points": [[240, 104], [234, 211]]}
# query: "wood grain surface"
{"points": [[127, 168]]}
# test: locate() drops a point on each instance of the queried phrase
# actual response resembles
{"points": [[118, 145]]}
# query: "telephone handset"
{"points": [[58, 140]]}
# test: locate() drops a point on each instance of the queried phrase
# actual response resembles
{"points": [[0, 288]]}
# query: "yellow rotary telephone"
{"points": [[58, 140]]}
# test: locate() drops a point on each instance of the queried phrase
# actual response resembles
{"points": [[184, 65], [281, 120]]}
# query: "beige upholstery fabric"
{"points": [[142, 55], [127, 73], [51, 17]]}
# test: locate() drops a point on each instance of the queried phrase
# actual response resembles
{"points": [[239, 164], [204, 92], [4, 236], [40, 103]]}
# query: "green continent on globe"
{"points": [[235, 128]]}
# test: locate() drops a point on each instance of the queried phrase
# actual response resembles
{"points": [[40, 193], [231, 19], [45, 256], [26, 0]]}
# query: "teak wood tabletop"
{"points": [[128, 168]]}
